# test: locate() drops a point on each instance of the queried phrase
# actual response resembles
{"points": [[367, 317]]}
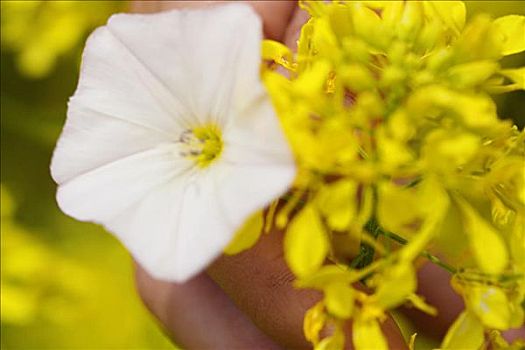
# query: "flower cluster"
{"points": [[388, 109]]}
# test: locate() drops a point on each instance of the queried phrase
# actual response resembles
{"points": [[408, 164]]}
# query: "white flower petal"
{"points": [[145, 80], [143, 74], [103, 193], [256, 166], [207, 58], [118, 109], [176, 231], [91, 139], [243, 189], [254, 136]]}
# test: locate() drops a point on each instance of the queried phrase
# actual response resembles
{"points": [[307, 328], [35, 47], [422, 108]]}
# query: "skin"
{"points": [[247, 301]]}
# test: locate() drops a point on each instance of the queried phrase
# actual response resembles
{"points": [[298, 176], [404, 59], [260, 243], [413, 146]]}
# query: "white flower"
{"points": [[170, 140]]}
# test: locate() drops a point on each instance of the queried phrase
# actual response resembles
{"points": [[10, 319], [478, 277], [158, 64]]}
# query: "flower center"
{"points": [[203, 144]]}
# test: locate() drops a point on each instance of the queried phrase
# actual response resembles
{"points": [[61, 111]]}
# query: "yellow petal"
{"points": [[369, 27], [247, 235], [406, 210], [395, 285], [400, 126], [367, 335], [517, 314], [399, 208], [305, 242], [450, 13], [391, 13], [311, 83], [339, 299], [478, 41], [465, 333], [412, 342], [336, 341], [445, 151], [280, 53], [340, 18], [419, 303], [357, 77], [411, 20], [436, 201], [472, 73], [512, 31], [324, 40], [326, 275], [474, 110], [314, 321], [392, 153], [491, 305], [337, 202], [486, 243]]}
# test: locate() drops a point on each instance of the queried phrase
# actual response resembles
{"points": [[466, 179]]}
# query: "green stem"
{"points": [[366, 251], [432, 258]]}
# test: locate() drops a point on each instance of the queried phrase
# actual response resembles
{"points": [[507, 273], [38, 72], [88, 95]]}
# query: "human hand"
{"points": [[246, 300]]}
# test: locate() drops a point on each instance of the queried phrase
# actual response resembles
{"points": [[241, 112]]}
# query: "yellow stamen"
{"points": [[203, 144]]}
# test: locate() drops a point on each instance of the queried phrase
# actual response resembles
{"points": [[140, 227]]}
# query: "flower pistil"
{"points": [[203, 144]]}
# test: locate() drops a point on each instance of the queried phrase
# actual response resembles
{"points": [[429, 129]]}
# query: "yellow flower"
{"points": [[388, 108]]}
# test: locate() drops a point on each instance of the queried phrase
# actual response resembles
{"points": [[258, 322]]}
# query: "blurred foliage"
{"points": [[66, 284], [42, 31]]}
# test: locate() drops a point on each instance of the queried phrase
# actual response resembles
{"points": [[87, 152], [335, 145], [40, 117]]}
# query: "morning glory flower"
{"points": [[171, 141]]}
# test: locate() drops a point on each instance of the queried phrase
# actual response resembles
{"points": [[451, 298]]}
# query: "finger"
{"points": [[515, 334], [275, 14], [293, 31], [260, 283], [434, 285], [198, 315]]}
